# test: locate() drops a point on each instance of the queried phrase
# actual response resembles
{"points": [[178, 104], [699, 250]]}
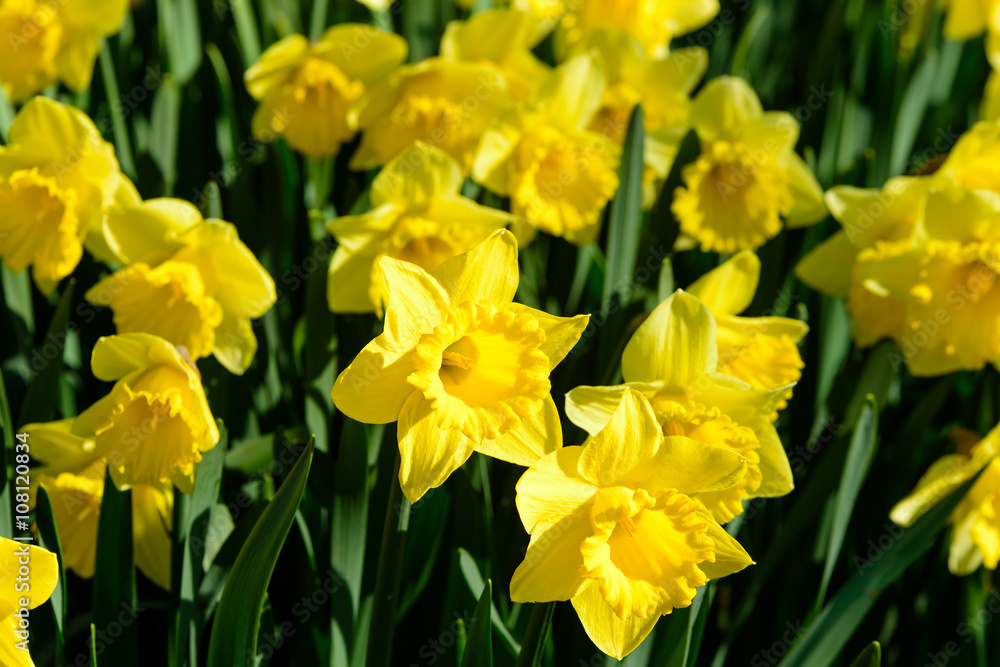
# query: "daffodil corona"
{"points": [[155, 423], [459, 366], [616, 526], [307, 89], [748, 177], [418, 216]]}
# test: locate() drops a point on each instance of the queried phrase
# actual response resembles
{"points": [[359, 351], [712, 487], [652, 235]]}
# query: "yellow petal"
{"points": [[829, 265], [235, 343], [609, 633], [967, 216], [416, 302], [10, 654], [777, 327], [691, 467], [53, 442], [152, 513], [591, 408], [348, 283], [552, 489], [428, 454], [730, 556], [361, 51], [531, 441], [418, 174], [551, 566], [77, 56], [944, 476], [145, 232], [808, 206], [495, 147], [42, 579], [964, 557], [676, 343], [723, 107], [465, 279], [625, 446], [116, 356], [373, 388], [103, 17], [573, 95], [275, 64], [729, 288]]}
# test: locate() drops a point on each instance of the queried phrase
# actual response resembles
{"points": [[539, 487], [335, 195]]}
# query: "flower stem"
{"points": [[390, 563], [534, 636]]}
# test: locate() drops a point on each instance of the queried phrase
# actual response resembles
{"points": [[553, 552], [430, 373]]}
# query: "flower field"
{"points": [[499, 332]]}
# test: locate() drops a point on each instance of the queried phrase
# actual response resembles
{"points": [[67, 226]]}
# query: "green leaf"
{"points": [[870, 657], [48, 538], [625, 219], [123, 145], [823, 641], [535, 634], [479, 649], [470, 571], [190, 533], [17, 296], [6, 463], [114, 577], [43, 392], [390, 565], [246, 31], [911, 113], [859, 458], [93, 646], [237, 618], [165, 122], [180, 32]]}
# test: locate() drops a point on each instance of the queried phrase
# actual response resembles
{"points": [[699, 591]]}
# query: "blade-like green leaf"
{"points": [[114, 577], [470, 571], [625, 219], [859, 457], [870, 657], [123, 144], [48, 538], [180, 33], [165, 122], [237, 618], [43, 392], [479, 649]]}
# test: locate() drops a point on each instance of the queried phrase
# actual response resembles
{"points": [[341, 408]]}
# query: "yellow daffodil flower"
{"points": [[502, 38], [989, 109], [306, 89], [653, 22], [672, 360], [952, 311], [663, 87], [187, 280], [73, 476], [558, 174], [57, 178], [748, 177], [43, 577], [45, 42], [459, 366], [549, 11], [967, 19], [443, 103], [155, 423], [975, 538], [878, 225], [616, 528], [761, 351], [418, 216]]}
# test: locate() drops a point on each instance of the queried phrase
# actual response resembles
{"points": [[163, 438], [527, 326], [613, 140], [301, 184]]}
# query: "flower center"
{"points": [[482, 369], [732, 198], [645, 549], [439, 120], [39, 225]]}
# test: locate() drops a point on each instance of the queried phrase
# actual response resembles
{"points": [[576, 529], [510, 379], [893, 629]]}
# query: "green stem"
{"points": [[390, 565], [534, 636], [7, 464], [123, 147]]}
